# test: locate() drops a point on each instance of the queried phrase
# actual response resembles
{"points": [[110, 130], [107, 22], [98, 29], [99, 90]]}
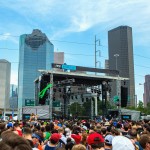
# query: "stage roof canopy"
{"points": [[80, 78]]}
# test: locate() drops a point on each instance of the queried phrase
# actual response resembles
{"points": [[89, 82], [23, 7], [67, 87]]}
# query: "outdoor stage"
{"points": [[90, 79]]}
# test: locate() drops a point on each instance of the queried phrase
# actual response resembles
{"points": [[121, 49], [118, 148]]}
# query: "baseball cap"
{"points": [[84, 127], [108, 139], [34, 135], [10, 124], [95, 138], [107, 124], [76, 137], [55, 137], [122, 143], [83, 121]]}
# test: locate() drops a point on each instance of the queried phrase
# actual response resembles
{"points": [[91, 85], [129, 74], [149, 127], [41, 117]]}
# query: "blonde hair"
{"points": [[79, 147]]}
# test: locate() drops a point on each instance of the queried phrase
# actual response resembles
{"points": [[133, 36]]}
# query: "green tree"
{"points": [[147, 109], [75, 108], [140, 104]]}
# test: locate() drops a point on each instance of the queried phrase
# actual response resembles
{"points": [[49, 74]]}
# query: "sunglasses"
{"points": [[34, 137]]}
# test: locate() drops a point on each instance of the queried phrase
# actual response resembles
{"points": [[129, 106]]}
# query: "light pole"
{"points": [[144, 99], [116, 55]]}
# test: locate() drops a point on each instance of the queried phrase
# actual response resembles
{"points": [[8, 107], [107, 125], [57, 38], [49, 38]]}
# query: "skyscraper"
{"points": [[35, 52], [13, 96], [5, 69], [121, 58], [146, 90]]}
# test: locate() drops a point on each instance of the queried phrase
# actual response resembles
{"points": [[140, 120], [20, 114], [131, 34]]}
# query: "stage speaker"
{"points": [[124, 96]]}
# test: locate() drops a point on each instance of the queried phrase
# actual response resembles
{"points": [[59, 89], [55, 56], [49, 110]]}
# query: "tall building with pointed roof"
{"points": [[35, 52]]}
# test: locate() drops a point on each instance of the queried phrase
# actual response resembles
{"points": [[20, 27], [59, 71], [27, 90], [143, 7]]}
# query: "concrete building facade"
{"points": [[58, 59], [5, 71], [121, 58]]}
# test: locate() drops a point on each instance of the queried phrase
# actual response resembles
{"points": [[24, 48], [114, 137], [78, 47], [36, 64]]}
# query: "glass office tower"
{"points": [[35, 52]]}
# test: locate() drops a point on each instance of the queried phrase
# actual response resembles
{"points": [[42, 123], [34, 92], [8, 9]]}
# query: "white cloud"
{"points": [[4, 36], [9, 37], [83, 15]]}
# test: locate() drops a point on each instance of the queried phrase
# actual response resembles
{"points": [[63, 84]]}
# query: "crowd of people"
{"points": [[75, 134]]}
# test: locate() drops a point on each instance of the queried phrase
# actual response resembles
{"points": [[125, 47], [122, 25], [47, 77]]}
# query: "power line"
{"points": [[73, 42], [90, 55], [142, 66], [75, 54], [141, 56]]}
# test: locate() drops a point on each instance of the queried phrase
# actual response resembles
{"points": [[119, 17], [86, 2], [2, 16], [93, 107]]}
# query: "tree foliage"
{"points": [[140, 107], [85, 108]]}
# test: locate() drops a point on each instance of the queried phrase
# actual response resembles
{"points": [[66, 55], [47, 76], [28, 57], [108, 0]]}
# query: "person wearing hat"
{"points": [[122, 143], [53, 142], [76, 134], [108, 142], [95, 141], [107, 124], [37, 140], [9, 126]]}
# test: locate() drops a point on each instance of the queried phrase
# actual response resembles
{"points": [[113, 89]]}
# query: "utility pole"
{"points": [[96, 40]]}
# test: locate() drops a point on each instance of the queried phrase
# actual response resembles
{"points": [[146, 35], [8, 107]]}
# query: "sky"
{"points": [[72, 25]]}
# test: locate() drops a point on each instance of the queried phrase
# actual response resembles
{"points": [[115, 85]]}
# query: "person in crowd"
{"points": [[2, 128], [95, 141], [4, 146], [125, 129], [53, 142], [133, 135], [17, 129], [103, 131], [27, 134], [37, 139], [33, 117], [115, 132], [15, 141], [47, 132], [63, 139], [79, 147], [76, 134], [67, 132], [108, 142], [92, 129], [70, 144], [84, 137], [9, 126], [145, 141], [122, 143]]}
